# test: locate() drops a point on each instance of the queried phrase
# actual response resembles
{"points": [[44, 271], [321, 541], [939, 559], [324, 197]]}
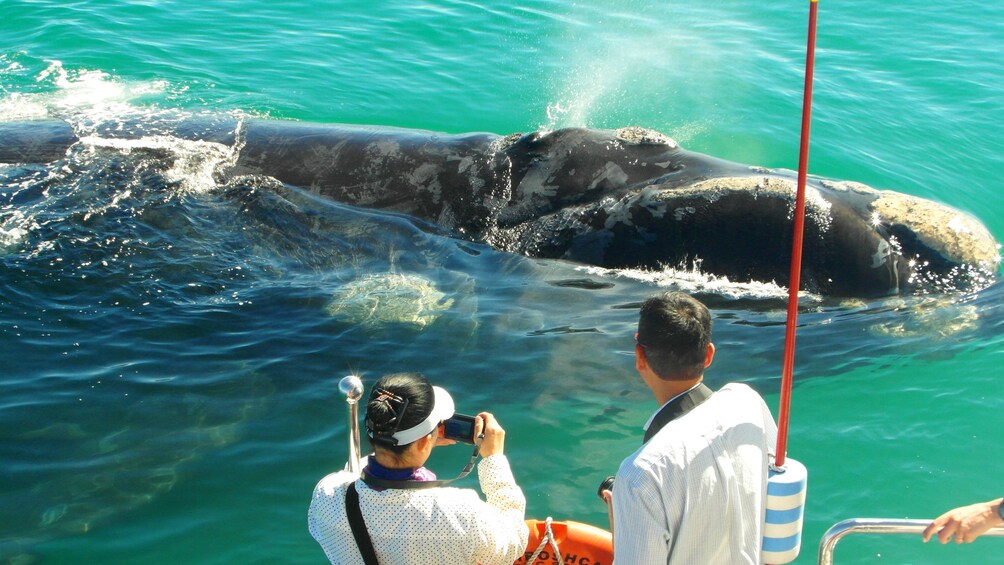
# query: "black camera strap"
{"points": [[677, 407], [413, 484], [358, 526]]}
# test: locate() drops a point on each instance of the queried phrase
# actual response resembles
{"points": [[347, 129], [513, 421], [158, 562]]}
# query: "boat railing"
{"points": [[838, 531]]}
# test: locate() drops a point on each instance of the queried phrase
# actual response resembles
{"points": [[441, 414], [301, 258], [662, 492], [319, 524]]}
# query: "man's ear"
{"points": [[709, 355], [640, 363]]}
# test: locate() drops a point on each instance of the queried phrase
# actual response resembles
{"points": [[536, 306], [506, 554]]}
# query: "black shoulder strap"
{"points": [[359, 526], [676, 408]]}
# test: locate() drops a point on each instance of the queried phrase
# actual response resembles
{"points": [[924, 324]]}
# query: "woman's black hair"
{"points": [[397, 402]]}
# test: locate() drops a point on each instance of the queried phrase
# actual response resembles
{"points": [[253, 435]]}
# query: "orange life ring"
{"points": [[580, 544]]}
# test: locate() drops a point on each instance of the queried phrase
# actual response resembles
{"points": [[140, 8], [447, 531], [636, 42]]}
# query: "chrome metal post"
{"points": [[352, 387]]}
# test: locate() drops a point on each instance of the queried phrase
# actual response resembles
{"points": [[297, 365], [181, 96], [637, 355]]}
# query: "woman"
{"points": [[420, 525]]}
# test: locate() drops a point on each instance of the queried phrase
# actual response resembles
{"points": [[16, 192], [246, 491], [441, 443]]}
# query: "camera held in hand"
{"points": [[460, 427]]}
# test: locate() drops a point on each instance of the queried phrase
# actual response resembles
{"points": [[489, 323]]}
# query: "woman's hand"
{"points": [[494, 436]]}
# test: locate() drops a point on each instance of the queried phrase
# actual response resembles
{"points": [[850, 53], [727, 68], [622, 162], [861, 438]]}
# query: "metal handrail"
{"points": [[875, 526], [352, 387]]}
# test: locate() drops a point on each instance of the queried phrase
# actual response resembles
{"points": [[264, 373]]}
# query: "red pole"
{"points": [[796, 245]]}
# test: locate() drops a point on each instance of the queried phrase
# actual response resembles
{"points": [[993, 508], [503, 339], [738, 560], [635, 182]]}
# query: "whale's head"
{"points": [[858, 241]]}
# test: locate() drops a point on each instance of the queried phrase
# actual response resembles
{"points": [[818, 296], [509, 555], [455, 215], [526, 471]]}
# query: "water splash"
{"points": [[193, 163], [690, 278], [79, 95]]}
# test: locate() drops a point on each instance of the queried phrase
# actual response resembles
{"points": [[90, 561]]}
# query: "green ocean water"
{"points": [[170, 366]]}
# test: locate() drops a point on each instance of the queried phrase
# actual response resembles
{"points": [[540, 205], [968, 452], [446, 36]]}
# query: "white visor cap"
{"points": [[442, 408]]}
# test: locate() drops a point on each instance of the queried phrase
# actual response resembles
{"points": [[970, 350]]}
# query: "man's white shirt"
{"points": [[695, 493]]}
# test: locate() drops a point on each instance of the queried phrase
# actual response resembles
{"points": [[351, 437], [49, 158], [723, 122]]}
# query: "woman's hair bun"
{"points": [[397, 402]]}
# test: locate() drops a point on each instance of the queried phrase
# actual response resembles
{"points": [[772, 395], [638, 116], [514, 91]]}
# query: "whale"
{"points": [[628, 198]]}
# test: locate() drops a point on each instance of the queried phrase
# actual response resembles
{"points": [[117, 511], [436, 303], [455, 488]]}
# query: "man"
{"points": [[695, 492]]}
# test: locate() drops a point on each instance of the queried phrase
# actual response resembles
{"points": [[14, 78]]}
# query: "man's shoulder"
{"points": [[737, 394], [666, 447], [739, 389], [732, 404]]}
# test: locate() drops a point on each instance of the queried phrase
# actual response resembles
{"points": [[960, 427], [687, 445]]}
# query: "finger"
{"points": [[935, 526], [489, 422], [929, 531], [608, 497], [946, 533]]}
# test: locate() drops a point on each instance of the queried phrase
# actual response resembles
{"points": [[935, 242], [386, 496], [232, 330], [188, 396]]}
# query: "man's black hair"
{"points": [[675, 329]]}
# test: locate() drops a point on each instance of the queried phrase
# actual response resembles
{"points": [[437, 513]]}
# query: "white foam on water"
{"points": [[691, 279], [88, 95], [22, 107], [194, 161], [90, 100], [12, 233], [80, 94]]}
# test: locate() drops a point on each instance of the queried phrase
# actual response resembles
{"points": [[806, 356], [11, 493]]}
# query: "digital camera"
{"points": [[460, 427]]}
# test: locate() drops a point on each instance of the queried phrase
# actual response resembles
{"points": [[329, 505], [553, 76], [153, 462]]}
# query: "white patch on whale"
{"points": [[610, 172]]}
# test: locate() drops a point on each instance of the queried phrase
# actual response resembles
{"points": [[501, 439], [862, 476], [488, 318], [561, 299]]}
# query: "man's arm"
{"points": [[641, 535], [966, 523]]}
